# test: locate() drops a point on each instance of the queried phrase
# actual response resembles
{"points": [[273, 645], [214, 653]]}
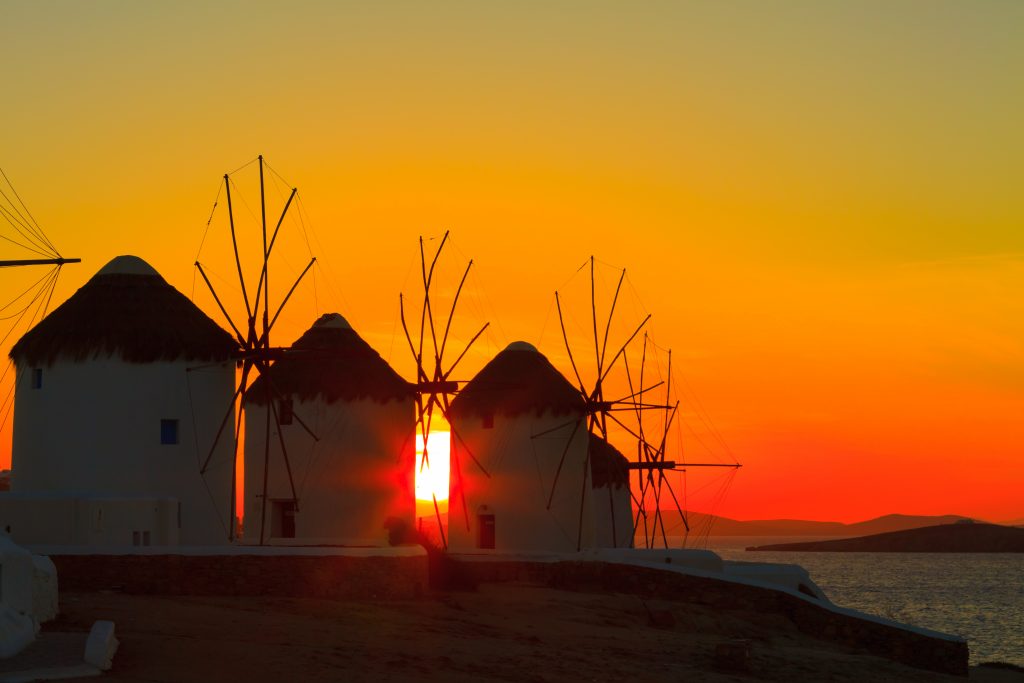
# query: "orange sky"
{"points": [[819, 203]]}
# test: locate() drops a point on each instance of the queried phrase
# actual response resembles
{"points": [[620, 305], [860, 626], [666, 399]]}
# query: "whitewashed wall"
{"points": [[359, 473], [60, 520], [522, 462], [93, 429], [613, 508]]}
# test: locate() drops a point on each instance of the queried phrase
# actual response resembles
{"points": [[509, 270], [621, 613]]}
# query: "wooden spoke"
{"points": [[455, 465], [240, 391], [284, 455], [267, 377], [624, 426], [421, 376], [565, 338], [451, 314], [593, 317], [234, 244], [626, 399], [209, 285], [263, 273], [269, 248], [561, 462], [679, 508], [668, 397], [553, 429], [476, 462], [428, 278], [476, 336], [583, 499], [669, 418], [623, 349], [266, 465], [608, 326], [291, 291], [440, 524], [233, 500]]}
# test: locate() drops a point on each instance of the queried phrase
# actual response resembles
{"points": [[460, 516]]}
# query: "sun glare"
{"points": [[432, 478]]}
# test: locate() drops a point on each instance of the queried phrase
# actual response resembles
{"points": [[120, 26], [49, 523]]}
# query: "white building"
{"points": [[613, 504], [348, 424], [526, 427], [119, 395]]}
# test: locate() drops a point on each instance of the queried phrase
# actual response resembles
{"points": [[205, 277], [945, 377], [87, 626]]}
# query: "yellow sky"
{"points": [[819, 202]]}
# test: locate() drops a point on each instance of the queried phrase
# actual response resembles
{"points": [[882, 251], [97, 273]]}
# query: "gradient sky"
{"points": [[820, 203]]}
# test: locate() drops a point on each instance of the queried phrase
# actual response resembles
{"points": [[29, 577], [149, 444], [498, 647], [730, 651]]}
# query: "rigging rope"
{"points": [[43, 291], [36, 248], [37, 230], [202, 477], [213, 209]]}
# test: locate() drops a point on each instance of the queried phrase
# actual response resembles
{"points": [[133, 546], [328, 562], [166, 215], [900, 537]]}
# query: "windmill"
{"points": [[643, 412], [434, 385], [256, 353], [25, 234]]}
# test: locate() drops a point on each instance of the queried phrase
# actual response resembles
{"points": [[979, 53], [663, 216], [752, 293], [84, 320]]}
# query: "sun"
{"points": [[432, 478]]}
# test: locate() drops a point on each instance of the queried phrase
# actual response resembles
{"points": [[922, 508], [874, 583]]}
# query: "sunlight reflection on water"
{"points": [[976, 595]]}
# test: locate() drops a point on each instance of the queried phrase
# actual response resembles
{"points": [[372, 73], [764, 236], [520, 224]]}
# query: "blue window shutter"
{"points": [[168, 432]]}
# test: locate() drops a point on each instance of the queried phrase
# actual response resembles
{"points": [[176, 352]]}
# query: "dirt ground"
{"points": [[501, 632]]}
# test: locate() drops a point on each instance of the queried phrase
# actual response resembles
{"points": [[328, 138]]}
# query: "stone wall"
{"points": [[901, 645], [325, 576]]}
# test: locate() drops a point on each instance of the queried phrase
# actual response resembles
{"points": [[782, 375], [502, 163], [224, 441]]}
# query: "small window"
{"points": [[135, 538], [486, 531], [37, 378], [285, 411], [489, 421], [145, 538], [168, 432]]}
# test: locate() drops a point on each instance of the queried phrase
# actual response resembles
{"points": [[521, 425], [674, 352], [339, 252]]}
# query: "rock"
{"points": [[101, 645], [17, 631]]}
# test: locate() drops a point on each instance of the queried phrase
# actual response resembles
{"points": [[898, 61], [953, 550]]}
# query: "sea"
{"points": [[979, 596]]}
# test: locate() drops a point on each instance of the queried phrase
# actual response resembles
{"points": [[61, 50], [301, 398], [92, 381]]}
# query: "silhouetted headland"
{"points": [[962, 537], [723, 526]]}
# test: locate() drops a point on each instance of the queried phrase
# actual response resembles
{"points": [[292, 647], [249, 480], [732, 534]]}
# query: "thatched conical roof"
{"points": [[128, 311], [518, 380], [331, 362], [608, 467]]}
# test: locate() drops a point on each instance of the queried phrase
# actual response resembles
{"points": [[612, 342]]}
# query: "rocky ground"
{"points": [[500, 632]]}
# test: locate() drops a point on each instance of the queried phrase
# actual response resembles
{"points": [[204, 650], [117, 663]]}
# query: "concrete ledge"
{"points": [[234, 550], [326, 576], [908, 646]]}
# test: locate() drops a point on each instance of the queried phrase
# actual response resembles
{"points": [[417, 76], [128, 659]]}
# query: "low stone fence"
{"points": [[882, 640], [336, 577]]}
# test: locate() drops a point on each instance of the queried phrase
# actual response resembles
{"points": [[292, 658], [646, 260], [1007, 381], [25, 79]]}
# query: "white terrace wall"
{"points": [[349, 483], [93, 429], [522, 455], [50, 520]]}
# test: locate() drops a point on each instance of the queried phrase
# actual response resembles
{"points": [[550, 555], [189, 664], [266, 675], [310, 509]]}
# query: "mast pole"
{"points": [[266, 460], [266, 257]]}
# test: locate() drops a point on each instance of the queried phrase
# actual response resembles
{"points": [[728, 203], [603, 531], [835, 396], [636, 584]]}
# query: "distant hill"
{"points": [[947, 538], [723, 526]]}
